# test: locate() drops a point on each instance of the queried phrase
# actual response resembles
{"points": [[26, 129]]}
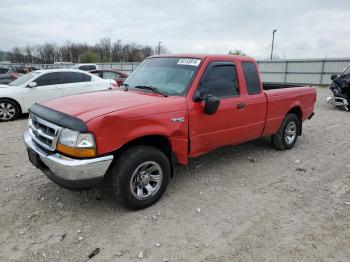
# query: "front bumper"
{"points": [[75, 174]]}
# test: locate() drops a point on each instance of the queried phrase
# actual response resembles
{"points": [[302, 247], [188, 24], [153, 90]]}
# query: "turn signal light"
{"points": [[76, 152]]}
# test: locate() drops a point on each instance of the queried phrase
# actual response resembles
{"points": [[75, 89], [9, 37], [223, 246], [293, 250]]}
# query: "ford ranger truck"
{"points": [[170, 109]]}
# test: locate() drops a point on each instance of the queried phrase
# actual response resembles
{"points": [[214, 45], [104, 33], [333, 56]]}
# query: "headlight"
{"points": [[76, 144]]}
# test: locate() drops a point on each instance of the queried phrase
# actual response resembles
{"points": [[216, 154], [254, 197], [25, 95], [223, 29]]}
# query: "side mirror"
{"points": [[333, 77], [211, 104], [32, 84]]}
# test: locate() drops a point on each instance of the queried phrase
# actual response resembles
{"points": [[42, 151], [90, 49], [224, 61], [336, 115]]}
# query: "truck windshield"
{"points": [[171, 75]]}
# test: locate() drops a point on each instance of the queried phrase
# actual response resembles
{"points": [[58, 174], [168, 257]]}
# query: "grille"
{"points": [[43, 133]]}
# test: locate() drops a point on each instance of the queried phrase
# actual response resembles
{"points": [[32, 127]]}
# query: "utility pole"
{"points": [[273, 40], [159, 43], [110, 50]]}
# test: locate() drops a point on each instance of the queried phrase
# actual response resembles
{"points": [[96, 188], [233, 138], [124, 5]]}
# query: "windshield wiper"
{"points": [[153, 89]]}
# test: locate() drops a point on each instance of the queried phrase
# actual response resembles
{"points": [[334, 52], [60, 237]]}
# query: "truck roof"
{"points": [[214, 56]]}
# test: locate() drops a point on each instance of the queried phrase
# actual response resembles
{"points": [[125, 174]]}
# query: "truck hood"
{"points": [[91, 105], [4, 86]]}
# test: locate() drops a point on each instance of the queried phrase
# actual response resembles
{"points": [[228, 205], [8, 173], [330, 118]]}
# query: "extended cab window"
{"points": [[48, 79], [220, 80], [71, 77], [251, 77]]}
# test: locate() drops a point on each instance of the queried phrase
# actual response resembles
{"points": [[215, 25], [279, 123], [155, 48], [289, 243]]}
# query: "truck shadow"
{"points": [[217, 163], [226, 157]]}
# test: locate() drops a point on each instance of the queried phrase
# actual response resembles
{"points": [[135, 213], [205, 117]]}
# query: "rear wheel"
{"points": [[140, 176], [287, 135], [9, 110]]}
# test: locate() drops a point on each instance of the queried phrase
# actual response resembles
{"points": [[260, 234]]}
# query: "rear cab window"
{"points": [[251, 75]]}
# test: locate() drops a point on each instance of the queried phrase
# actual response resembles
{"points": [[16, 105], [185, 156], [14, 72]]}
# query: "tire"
{"points": [[140, 176], [9, 110], [287, 135]]}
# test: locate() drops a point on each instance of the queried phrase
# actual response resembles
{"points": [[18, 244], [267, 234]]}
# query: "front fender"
{"points": [[112, 137]]}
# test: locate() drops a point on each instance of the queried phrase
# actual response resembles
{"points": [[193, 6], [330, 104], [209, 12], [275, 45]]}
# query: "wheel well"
{"points": [[157, 141], [14, 101], [297, 111]]}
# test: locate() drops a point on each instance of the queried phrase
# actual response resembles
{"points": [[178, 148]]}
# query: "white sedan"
{"points": [[41, 85]]}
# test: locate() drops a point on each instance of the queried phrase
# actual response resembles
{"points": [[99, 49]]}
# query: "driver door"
{"points": [[48, 86], [208, 132]]}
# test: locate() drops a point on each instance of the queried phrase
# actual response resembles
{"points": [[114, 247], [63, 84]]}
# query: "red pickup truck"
{"points": [[170, 109]]}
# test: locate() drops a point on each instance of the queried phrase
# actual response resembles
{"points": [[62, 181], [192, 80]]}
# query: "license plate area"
{"points": [[34, 158]]}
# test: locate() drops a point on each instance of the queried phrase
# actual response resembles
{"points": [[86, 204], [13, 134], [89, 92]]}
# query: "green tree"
{"points": [[89, 57]]}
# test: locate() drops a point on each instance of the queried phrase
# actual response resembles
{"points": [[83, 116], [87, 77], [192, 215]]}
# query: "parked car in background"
{"points": [[7, 74], [118, 76], [42, 85], [85, 67]]}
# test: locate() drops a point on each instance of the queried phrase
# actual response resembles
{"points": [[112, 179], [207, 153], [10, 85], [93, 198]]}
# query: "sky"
{"points": [[305, 29]]}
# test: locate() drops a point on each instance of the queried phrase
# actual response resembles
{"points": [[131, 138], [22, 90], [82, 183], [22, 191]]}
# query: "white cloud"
{"points": [[305, 28]]}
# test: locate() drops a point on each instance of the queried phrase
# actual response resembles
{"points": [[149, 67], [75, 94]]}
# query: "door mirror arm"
{"points": [[198, 97], [32, 84]]}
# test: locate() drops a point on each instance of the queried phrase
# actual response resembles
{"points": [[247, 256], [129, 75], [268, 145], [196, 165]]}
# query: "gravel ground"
{"points": [[242, 203]]}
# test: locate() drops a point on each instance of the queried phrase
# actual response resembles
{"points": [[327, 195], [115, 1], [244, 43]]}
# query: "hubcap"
{"points": [[146, 180], [7, 111], [291, 133]]}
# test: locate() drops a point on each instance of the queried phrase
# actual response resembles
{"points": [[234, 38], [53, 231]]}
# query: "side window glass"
{"points": [[48, 79], [220, 81], [109, 75], [87, 78], [71, 77], [251, 77]]}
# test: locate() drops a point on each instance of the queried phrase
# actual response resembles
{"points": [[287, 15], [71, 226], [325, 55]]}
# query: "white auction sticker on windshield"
{"points": [[189, 61]]}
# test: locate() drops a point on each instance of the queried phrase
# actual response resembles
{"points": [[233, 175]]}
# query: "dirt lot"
{"points": [[255, 204]]}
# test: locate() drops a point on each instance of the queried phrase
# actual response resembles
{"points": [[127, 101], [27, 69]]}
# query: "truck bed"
{"points": [[284, 97], [271, 86]]}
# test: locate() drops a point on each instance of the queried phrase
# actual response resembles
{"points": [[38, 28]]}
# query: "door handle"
{"points": [[240, 106]]}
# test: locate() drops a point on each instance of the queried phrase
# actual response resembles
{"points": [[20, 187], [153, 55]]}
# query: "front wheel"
{"points": [[140, 176], [9, 110], [287, 135]]}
